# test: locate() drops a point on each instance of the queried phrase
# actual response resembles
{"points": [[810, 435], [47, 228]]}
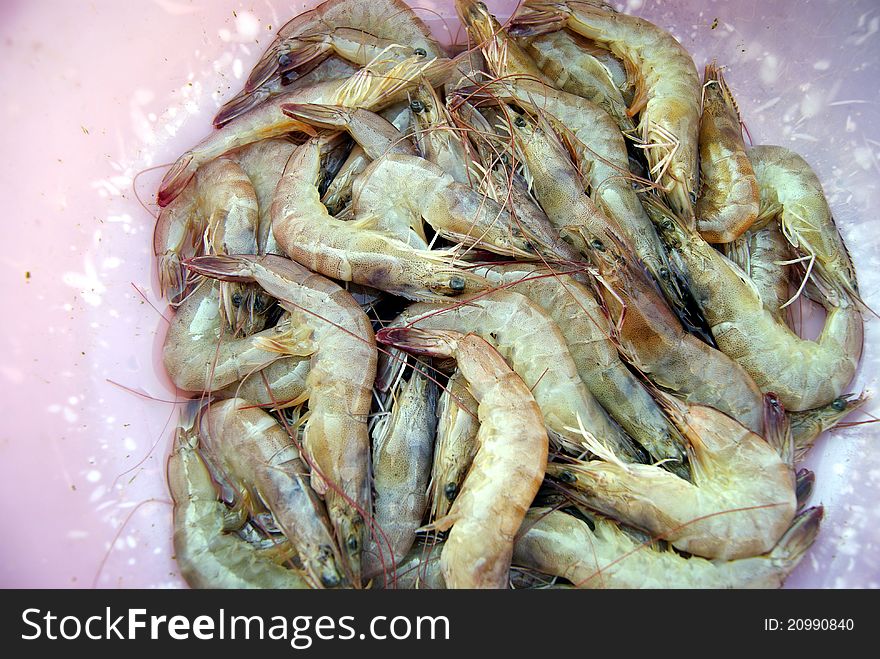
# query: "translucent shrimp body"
{"points": [[741, 500], [603, 556], [339, 385], [208, 553], [536, 350]]}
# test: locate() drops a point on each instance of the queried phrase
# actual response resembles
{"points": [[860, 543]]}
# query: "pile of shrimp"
{"points": [[518, 315]]}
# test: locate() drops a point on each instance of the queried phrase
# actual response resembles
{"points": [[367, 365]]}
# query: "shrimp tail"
{"points": [[804, 483], [270, 64], [798, 539], [293, 342], [323, 116], [224, 268], [172, 279], [434, 343], [176, 179], [240, 104], [311, 50], [534, 21]]}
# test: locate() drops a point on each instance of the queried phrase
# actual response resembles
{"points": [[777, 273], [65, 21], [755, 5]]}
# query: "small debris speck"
{"points": [[714, 24], [84, 130], [27, 274]]}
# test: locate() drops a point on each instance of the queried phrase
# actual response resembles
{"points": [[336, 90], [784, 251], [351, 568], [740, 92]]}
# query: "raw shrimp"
{"points": [[537, 351], [741, 500], [666, 81], [208, 553], [729, 196], [419, 570], [409, 186], [339, 385], [804, 374], [792, 191], [456, 444], [503, 54], [284, 384], [217, 213], [808, 425], [565, 59], [403, 445], [650, 336], [588, 333], [378, 19], [763, 254], [602, 555], [199, 356], [507, 469], [349, 251], [438, 139], [378, 85], [257, 455], [332, 68]]}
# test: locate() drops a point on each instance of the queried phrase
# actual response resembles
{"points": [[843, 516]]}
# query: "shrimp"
{"points": [[379, 84], [808, 425], [332, 68], [601, 555], [537, 351], [665, 78], [218, 209], [729, 197], [208, 554], [339, 385], [403, 445], [284, 384], [419, 570], [379, 19], [588, 333], [572, 67], [438, 139], [763, 254], [792, 191], [349, 251], [257, 454], [412, 187], [198, 356], [650, 336], [504, 56], [507, 469], [741, 500], [804, 374], [456, 445], [601, 154]]}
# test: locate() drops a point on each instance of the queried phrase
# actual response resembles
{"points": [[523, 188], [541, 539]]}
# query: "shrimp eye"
{"points": [[284, 60], [520, 121], [330, 580], [450, 491], [667, 225], [839, 404], [457, 283], [259, 304], [664, 273], [236, 299], [352, 543], [567, 477], [417, 106], [773, 400], [595, 243], [420, 52], [693, 196]]}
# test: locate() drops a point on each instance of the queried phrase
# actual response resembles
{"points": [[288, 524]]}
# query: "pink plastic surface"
{"points": [[95, 92]]}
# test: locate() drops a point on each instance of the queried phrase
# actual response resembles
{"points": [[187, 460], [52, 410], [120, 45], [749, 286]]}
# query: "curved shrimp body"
{"points": [[411, 186], [199, 356], [666, 81], [216, 213], [208, 554], [804, 374], [792, 191], [339, 385], [378, 85], [332, 68], [503, 54], [403, 446], [741, 500], [279, 385], [537, 351], [588, 333], [346, 251], [762, 254], [571, 67], [457, 427], [808, 425], [255, 452], [305, 37], [604, 556], [507, 469], [729, 198]]}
